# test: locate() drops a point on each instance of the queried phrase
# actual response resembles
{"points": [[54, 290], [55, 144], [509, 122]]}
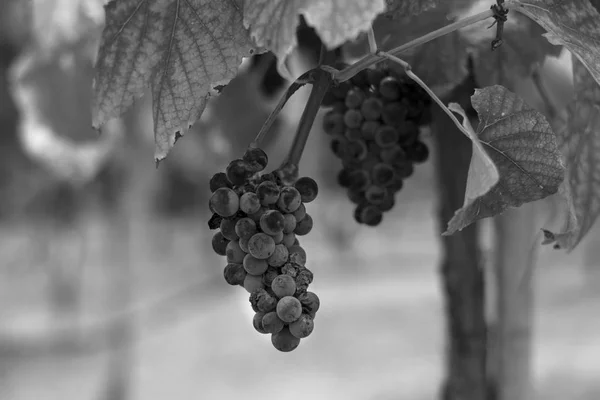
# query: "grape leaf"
{"points": [[573, 23], [483, 174], [581, 137], [397, 9], [523, 47], [273, 23], [523, 147], [181, 49]]}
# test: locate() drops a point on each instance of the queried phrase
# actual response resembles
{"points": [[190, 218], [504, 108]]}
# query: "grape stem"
{"points": [[418, 80], [321, 83], [372, 42], [371, 59], [305, 78]]}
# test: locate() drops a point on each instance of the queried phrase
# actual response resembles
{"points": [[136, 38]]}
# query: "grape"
{"points": [[234, 274], [389, 87], [300, 212], [310, 302], [245, 228], [234, 253], [219, 180], [261, 246], [382, 174], [404, 170], [371, 216], [243, 243], [356, 197], [252, 283], [225, 202], [257, 322], [386, 136], [304, 226], [388, 202], [284, 341], [215, 221], [283, 285], [368, 129], [301, 328], [333, 123], [393, 114], [355, 151], [393, 155], [228, 229], [374, 76], [256, 159], [353, 118], [375, 195], [289, 223], [258, 215], [353, 134], [272, 323], [339, 145], [360, 180], [269, 275], [278, 238], [354, 98], [279, 256], [271, 222], [308, 189], [289, 199], [254, 266], [289, 309], [249, 203], [396, 185], [303, 279], [418, 152], [288, 239], [371, 109], [219, 244], [262, 301], [289, 269], [268, 193], [341, 89], [237, 172], [297, 255]]}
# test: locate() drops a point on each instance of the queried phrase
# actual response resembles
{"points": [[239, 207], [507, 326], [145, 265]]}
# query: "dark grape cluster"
{"points": [[374, 122], [259, 220]]}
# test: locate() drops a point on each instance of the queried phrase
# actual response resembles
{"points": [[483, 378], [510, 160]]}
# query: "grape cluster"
{"points": [[374, 122], [259, 219]]}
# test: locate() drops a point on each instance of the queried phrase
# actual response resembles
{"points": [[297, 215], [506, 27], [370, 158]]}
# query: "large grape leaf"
{"points": [[523, 47], [397, 9], [180, 49], [581, 138], [572, 23], [523, 147], [273, 23]]}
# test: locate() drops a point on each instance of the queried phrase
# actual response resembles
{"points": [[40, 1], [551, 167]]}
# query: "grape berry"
{"points": [[259, 219], [374, 121]]}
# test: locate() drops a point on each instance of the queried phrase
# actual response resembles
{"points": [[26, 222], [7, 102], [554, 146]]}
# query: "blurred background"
{"points": [[109, 288]]}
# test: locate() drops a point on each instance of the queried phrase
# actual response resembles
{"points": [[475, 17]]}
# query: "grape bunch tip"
{"points": [[259, 219]]}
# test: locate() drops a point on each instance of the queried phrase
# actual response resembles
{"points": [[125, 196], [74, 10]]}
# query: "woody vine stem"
{"points": [[320, 82]]}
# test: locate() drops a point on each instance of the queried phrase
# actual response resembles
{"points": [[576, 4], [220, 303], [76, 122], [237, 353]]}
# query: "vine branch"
{"points": [[372, 59], [418, 80], [322, 81], [305, 78]]}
